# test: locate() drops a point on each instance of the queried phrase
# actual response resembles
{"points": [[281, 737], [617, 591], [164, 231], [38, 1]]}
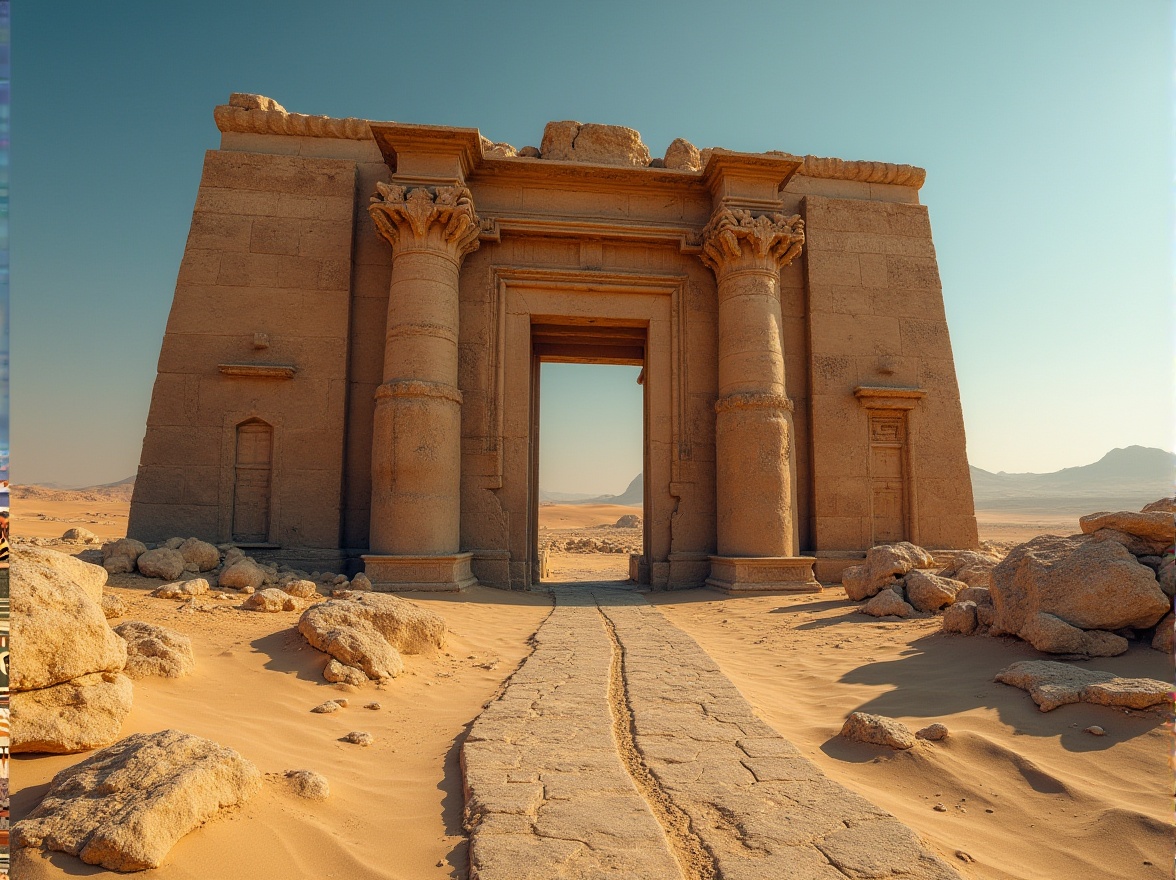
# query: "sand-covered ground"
{"points": [[1027, 795]]}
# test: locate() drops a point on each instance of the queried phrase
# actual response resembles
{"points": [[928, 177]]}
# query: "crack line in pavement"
{"points": [[694, 860]]}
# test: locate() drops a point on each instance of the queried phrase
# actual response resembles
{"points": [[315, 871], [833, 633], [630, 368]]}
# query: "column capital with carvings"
{"points": [[736, 238], [426, 218]]}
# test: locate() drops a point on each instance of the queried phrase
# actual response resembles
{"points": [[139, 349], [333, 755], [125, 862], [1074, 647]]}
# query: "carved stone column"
{"points": [[416, 443], [753, 422]]}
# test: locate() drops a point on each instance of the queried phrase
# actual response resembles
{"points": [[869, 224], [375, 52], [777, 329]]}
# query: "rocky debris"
{"points": [[930, 592], [373, 706], [112, 606], [681, 155], [960, 617], [172, 543], [272, 600], [1164, 505], [1052, 684], [243, 572], [361, 582], [84, 536], [1162, 640], [628, 521], [328, 707], [119, 557], [301, 589], [84, 713], [972, 567], [884, 564], [156, 650], [58, 623], [337, 672], [492, 150], [203, 555], [887, 603], [359, 738], [183, 589], [591, 142], [126, 806], [1156, 526], [1050, 586], [233, 555], [529, 153], [1135, 545], [308, 784], [878, 730], [164, 563], [583, 544], [86, 576], [369, 630], [933, 732]]}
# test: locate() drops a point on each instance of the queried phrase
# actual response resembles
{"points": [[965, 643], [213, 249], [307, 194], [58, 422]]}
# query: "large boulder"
{"points": [[164, 563], [119, 557], [884, 564], [59, 626], [1049, 633], [88, 577], [930, 592], [85, 713], [368, 631], [877, 729], [1084, 584], [126, 806], [156, 650], [241, 574], [1155, 525], [591, 142], [203, 555], [1053, 684], [972, 567]]}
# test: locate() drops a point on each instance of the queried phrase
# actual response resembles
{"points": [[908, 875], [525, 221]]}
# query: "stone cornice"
{"points": [[406, 217], [863, 172], [881, 397], [258, 120], [735, 237]]}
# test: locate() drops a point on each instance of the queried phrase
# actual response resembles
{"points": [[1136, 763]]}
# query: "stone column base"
{"points": [[438, 574], [763, 574]]}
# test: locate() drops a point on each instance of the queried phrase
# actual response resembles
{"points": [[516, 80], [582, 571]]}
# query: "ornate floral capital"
{"points": [[736, 238], [426, 217]]}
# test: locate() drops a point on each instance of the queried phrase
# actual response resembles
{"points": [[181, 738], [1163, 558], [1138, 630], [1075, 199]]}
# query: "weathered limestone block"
{"points": [[126, 806], [877, 729], [182, 589], [1164, 505], [1052, 684], [112, 606], [884, 563], [119, 557], [972, 567], [1156, 525], [301, 589], [84, 713], [338, 672], [979, 595], [887, 603], [930, 592], [241, 574], [492, 150], [272, 600], [1135, 545], [84, 536], [1051, 634], [681, 155], [591, 142], [156, 650], [86, 576], [164, 563], [960, 617], [203, 555]]}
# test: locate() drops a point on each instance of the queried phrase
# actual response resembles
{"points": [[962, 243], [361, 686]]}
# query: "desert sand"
{"points": [[1027, 795]]}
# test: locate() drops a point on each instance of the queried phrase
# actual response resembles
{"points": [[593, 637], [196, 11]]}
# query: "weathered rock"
{"points": [[933, 732], [327, 708], [887, 603], [308, 784], [361, 582], [877, 729], [271, 600], [338, 672], [126, 806], [84, 713], [203, 555], [591, 142], [173, 543], [985, 614], [112, 606], [242, 573], [930, 592], [88, 577], [529, 153], [628, 521], [960, 617], [1162, 640], [1085, 584], [1164, 505], [1135, 545], [119, 565], [1052, 684], [359, 738], [233, 555], [369, 630], [301, 589], [1166, 576], [500, 151], [183, 589], [1152, 562], [1049, 633], [883, 564], [1155, 525], [979, 595], [60, 628], [156, 650], [119, 557], [681, 155], [164, 562], [85, 536], [971, 567], [1095, 730]]}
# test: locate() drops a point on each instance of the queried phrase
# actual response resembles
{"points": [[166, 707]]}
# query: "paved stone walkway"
{"points": [[619, 750]]}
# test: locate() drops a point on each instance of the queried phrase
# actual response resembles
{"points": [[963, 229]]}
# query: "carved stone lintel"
{"points": [[417, 388], [735, 238], [406, 217], [753, 400]]}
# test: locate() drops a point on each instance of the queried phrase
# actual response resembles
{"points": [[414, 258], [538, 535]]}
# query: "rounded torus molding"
{"points": [[416, 388], [753, 400]]}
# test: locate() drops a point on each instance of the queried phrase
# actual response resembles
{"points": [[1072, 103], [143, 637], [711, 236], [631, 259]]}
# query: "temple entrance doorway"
{"points": [[589, 452]]}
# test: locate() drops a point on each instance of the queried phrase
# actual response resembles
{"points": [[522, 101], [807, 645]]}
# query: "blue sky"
{"points": [[1046, 129]]}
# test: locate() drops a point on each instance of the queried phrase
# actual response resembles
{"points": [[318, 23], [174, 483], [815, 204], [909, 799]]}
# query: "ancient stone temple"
{"points": [[350, 368]]}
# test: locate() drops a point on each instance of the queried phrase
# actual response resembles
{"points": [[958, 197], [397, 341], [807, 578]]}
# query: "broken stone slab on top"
{"points": [[593, 143], [1052, 684]]}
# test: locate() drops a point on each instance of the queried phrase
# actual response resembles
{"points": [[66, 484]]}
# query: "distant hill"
{"points": [[562, 497], [633, 496], [1123, 479], [120, 491]]}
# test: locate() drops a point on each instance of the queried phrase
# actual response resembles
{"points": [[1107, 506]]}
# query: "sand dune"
{"points": [[582, 516]]}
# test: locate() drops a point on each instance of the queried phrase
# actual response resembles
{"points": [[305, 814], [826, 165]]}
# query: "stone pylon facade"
{"points": [[350, 368]]}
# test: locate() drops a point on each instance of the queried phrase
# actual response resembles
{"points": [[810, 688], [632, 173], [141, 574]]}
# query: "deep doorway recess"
{"points": [[589, 448]]}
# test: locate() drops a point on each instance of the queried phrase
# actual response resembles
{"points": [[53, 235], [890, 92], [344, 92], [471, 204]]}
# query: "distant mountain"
{"points": [[1123, 479], [633, 496], [119, 491], [562, 497]]}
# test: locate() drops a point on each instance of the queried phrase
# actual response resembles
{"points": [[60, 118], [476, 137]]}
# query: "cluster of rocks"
{"points": [[72, 688], [895, 583], [598, 144], [1088, 594], [580, 544], [882, 731]]}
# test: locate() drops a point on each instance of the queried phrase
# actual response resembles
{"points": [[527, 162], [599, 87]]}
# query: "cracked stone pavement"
{"points": [[620, 750]]}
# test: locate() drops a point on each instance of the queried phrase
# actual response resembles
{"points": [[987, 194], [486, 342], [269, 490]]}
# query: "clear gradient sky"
{"points": [[1046, 129]]}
